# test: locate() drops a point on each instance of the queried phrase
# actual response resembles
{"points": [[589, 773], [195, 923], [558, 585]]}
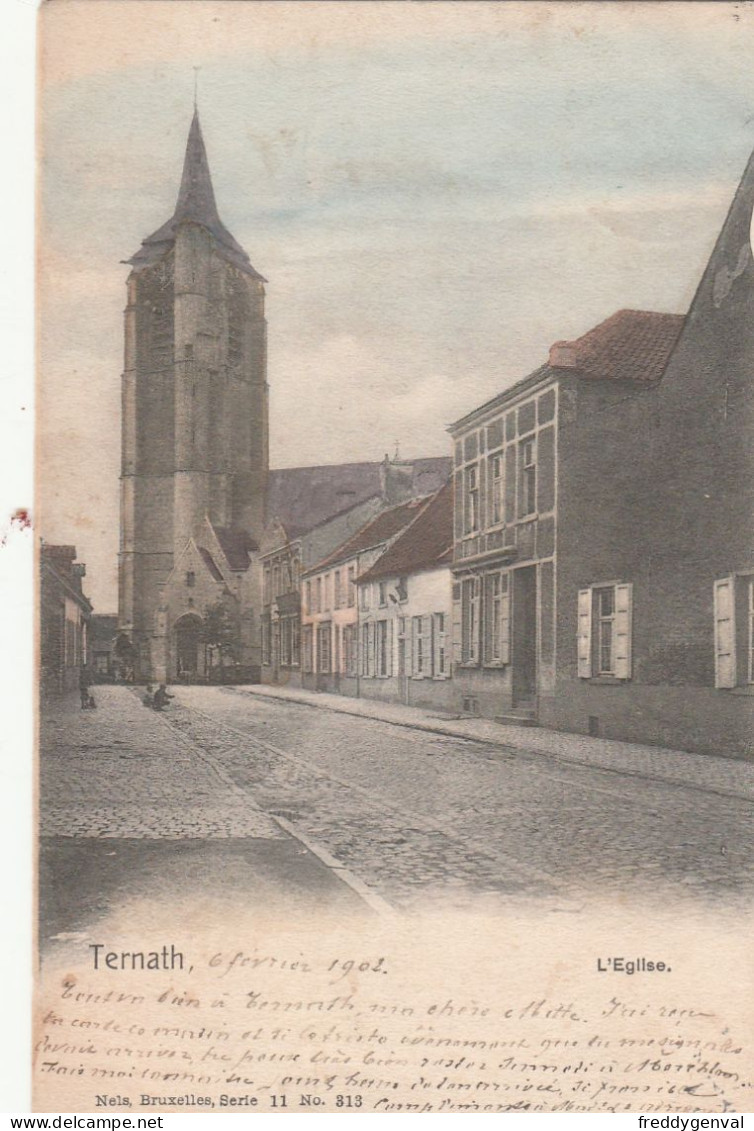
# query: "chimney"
{"points": [[396, 481], [564, 355]]}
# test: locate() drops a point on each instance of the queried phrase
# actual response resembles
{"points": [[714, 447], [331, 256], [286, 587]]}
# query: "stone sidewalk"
{"points": [[120, 771], [727, 776]]}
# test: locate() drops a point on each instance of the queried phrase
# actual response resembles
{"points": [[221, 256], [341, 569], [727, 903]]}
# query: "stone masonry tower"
{"points": [[194, 398]]}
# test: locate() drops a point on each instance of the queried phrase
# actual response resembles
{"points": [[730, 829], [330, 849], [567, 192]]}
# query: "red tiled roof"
{"points": [[631, 345], [235, 545], [426, 544], [378, 530]]}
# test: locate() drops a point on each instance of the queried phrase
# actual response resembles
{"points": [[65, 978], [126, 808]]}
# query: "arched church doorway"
{"points": [[187, 652]]}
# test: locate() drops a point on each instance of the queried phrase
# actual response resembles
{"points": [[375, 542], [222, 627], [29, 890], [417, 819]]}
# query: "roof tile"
{"points": [[427, 543], [631, 345]]}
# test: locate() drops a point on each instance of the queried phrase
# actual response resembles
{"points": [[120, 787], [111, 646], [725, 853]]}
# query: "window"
{"points": [[323, 648], [317, 595], [308, 597], [275, 580], [307, 649], [421, 647], [295, 642], [497, 619], [496, 500], [367, 649], [351, 586], [381, 657], [604, 631], [365, 596], [383, 594], [285, 642], [191, 579], [338, 596], [267, 594], [401, 646], [471, 513], [266, 640], [527, 489], [734, 630], [440, 665], [470, 620], [350, 638]]}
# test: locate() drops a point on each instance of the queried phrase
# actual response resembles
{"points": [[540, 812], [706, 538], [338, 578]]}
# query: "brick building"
{"points": [[65, 613], [603, 525]]}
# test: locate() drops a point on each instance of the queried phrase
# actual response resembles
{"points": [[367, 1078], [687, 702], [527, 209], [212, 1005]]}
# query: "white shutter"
{"points": [[455, 624], [505, 626], [428, 644], [584, 639], [623, 631], [725, 633]]}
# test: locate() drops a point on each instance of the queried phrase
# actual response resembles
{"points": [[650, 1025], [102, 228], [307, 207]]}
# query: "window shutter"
{"points": [[725, 633], [505, 626], [455, 625], [585, 634], [440, 645], [623, 631]]}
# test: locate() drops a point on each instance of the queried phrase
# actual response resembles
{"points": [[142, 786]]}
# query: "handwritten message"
{"points": [[308, 1029]]}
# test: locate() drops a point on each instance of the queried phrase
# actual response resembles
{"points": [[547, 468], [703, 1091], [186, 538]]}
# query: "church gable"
{"points": [[275, 536], [195, 582], [716, 346]]}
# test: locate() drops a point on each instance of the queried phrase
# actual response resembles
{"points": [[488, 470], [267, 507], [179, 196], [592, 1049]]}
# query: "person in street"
{"points": [[161, 698], [148, 699], [84, 685]]}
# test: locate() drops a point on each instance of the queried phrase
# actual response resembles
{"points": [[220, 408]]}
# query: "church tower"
{"points": [[194, 401]]}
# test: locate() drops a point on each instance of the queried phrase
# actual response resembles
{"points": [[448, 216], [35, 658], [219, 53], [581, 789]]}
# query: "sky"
{"points": [[436, 192]]}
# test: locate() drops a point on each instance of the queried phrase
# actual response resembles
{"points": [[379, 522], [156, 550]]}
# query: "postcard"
{"points": [[395, 595]]}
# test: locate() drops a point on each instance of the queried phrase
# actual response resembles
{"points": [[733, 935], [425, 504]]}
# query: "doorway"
{"points": [[524, 636], [187, 634]]}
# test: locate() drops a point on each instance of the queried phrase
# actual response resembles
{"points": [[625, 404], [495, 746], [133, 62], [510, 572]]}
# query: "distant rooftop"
{"points": [[427, 543], [305, 497], [374, 533]]}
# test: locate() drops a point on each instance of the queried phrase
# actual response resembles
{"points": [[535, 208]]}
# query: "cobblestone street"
{"points": [[412, 816], [131, 810]]}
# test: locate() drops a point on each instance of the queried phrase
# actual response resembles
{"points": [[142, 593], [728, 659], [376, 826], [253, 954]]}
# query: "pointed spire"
{"points": [[196, 198], [195, 205]]}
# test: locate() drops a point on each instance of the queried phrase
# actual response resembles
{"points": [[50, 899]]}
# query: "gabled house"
{"points": [[545, 481], [312, 510], [405, 612], [330, 617]]}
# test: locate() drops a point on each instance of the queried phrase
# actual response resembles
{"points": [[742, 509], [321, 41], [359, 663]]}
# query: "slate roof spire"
{"points": [[196, 197], [195, 205]]}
